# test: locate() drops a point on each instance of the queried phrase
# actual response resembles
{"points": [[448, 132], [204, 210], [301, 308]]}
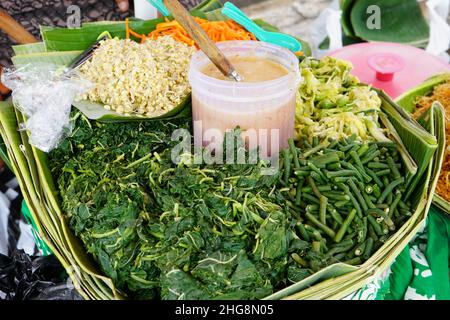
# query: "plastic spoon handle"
{"points": [[160, 7], [250, 26], [283, 40], [234, 8], [233, 12], [200, 37]]}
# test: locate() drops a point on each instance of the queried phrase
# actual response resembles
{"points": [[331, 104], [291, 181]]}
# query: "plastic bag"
{"points": [[44, 93], [439, 28], [25, 278]]}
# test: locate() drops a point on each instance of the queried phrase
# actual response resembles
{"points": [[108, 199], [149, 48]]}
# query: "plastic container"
{"points": [[265, 109], [392, 67]]}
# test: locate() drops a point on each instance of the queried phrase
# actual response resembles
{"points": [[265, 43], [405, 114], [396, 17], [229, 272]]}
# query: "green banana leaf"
{"points": [[433, 120], [408, 102], [29, 48], [207, 6], [60, 58], [401, 21], [96, 111], [420, 143], [346, 23], [408, 99], [63, 39]]}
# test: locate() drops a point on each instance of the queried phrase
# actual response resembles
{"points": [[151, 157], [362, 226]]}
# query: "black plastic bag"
{"points": [[34, 278]]}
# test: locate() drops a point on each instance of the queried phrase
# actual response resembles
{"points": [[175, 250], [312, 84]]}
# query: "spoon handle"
{"points": [[159, 5], [201, 39], [244, 18], [243, 21]]}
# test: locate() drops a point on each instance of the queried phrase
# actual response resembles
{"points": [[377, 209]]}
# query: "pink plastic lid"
{"points": [[392, 67]]}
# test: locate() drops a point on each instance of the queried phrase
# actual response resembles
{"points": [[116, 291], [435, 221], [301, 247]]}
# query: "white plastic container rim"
{"points": [[232, 91]]}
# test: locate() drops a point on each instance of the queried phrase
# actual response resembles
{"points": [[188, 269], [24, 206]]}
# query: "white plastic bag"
{"points": [[439, 29], [44, 93]]}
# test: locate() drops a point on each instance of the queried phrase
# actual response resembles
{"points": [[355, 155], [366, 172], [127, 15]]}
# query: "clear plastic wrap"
{"points": [[44, 93]]}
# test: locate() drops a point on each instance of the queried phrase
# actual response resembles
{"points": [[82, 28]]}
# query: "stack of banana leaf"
{"points": [[32, 169], [408, 102], [424, 147], [383, 20]]}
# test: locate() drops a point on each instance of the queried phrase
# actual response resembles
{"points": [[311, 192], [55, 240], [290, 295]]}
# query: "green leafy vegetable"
{"points": [[161, 230]]}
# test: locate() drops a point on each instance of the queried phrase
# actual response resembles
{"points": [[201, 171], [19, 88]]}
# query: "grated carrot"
{"points": [[127, 29], [216, 30]]}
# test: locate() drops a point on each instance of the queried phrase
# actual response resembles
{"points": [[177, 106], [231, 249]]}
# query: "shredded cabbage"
{"points": [[333, 104]]}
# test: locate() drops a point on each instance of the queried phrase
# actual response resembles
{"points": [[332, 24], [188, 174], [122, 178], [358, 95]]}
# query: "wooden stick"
{"points": [[14, 29], [201, 39]]}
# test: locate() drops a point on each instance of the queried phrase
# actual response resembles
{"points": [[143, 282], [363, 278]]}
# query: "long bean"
{"points": [[375, 225], [320, 225], [356, 158], [314, 187], [294, 153], [363, 149], [323, 209], [343, 229], [354, 261], [368, 249], [386, 218], [311, 198], [359, 250], [370, 156], [336, 196], [390, 188], [335, 214], [393, 168], [377, 165], [315, 233], [375, 178], [302, 231], [298, 193], [383, 172], [354, 169], [358, 194], [323, 160], [394, 204], [320, 188], [315, 149], [287, 166], [341, 173]]}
